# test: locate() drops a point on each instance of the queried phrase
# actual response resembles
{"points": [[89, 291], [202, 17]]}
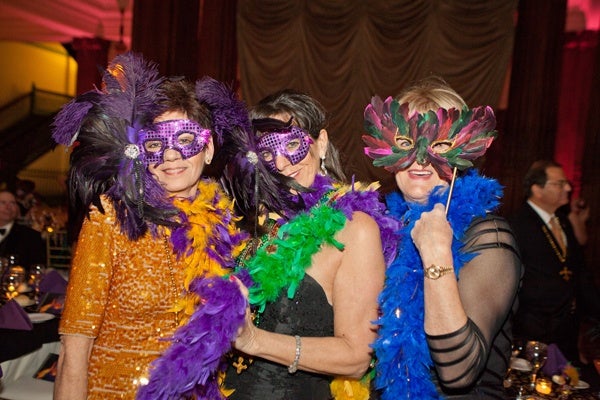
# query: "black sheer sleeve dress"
{"points": [[471, 362]]}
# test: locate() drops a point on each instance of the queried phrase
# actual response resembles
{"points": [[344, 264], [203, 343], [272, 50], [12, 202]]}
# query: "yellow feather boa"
{"points": [[202, 219], [350, 389]]}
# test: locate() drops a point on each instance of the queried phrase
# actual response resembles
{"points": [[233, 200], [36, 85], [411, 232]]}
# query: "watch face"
{"points": [[433, 272]]}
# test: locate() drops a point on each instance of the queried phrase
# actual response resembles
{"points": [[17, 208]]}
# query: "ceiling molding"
{"points": [[63, 20]]}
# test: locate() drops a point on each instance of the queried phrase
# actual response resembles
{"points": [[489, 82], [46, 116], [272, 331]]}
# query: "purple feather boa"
{"points": [[190, 365]]}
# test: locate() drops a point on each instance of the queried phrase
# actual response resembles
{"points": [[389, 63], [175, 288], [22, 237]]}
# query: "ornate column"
{"points": [[91, 55]]}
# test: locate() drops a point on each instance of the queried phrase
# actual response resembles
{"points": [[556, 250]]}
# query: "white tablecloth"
{"points": [[18, 383]]}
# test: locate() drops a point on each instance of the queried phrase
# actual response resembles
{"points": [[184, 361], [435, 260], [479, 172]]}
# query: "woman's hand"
{"points": [[432, 235], [245, 340], [579, 215]]}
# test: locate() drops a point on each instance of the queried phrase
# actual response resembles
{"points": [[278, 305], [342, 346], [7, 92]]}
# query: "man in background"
{"points": [[556, 284], [16, 239]]}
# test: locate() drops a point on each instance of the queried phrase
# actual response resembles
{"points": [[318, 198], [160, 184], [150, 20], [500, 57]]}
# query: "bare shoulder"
{"points": [[362, 260], [361, 227], [361, 238]]}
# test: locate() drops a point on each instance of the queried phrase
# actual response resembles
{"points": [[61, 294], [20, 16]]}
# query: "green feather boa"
{"points": [[282, 261]]}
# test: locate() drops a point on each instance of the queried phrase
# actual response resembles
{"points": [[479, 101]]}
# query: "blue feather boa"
{"points": [[403, 360]]}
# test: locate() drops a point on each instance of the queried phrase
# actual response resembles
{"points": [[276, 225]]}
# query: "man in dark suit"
{"points": [[19, 240], [553, 260]]}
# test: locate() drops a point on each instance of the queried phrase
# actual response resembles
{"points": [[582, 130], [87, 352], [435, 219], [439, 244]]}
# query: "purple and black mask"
{"points": [[185, 136], [292, 143]]}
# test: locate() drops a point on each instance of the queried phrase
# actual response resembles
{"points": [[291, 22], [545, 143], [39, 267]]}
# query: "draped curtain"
{"points": [[590, 182], [342, 52], [577, 73]]}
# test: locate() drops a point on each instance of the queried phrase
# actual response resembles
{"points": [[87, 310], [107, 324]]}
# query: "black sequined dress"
{"points": [[308, 314]]}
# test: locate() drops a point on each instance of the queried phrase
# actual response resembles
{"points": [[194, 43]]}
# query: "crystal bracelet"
{"points": [[294, 367]]}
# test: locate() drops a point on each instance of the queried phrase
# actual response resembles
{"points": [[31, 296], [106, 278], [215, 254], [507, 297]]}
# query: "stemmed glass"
{"points": [[536, 353], [14, 277], [36, 275], [516, 348]]}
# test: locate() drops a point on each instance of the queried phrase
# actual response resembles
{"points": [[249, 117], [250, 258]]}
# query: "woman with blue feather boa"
{"points": [[446, 308]]}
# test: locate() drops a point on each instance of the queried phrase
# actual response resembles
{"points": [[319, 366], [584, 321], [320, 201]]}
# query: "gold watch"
{"points": [[437, 271]]}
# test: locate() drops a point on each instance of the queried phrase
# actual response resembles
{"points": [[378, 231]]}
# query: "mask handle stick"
{"points": [[450, 191]]}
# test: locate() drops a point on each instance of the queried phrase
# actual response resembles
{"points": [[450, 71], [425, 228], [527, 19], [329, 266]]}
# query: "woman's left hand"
{"points": [[246, 332], [432, 234]]}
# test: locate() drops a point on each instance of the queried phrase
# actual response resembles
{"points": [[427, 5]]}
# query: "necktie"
{"points": [[558, 232], [2, 231]]}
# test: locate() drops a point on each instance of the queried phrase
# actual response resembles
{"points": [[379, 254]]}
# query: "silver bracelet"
{"points": [[294, 367]]}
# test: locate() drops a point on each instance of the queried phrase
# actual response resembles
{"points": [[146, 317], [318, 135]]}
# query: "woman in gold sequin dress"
{"points": [[129, 285]]}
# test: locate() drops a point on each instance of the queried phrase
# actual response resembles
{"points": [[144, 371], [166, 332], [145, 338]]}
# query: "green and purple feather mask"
{"points": [[446, 139]]}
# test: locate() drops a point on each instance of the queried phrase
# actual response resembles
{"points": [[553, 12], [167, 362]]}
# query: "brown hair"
{"points": [[308, 113], [180, 95]]}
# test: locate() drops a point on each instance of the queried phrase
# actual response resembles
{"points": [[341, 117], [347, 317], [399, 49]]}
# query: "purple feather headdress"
{"points": [[229, 114], [102, 126], [246, 176]]}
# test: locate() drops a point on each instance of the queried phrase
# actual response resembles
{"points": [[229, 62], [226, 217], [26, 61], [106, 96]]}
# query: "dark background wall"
{"points": [[213, 37]]}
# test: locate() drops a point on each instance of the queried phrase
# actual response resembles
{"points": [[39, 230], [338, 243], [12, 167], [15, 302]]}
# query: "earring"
{"points": [[323, 168], [208, 161]]}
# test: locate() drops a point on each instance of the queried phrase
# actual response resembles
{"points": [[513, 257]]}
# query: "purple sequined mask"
{"points": [[292, 143], [183, 135]]}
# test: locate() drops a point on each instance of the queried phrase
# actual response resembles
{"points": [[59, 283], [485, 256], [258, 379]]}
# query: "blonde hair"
{"points": [[430, 94]]}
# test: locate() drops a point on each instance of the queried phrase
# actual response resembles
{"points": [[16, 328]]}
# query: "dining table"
{"points": [[518, 386], [23, 353], [15, 343]]}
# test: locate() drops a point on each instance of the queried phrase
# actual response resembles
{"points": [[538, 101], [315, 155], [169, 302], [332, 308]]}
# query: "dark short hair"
{"points": [[536, 175], [180, 95], [308, 113]]}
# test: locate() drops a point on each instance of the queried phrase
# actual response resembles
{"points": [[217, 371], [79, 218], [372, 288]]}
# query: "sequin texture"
{"points": [[120, 294]]}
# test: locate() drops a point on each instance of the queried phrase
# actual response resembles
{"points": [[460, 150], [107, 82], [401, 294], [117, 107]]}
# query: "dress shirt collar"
{"points": [[544, 215], [8, 227]]}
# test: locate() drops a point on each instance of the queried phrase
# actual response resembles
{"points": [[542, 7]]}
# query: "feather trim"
{"points": [[66, 124], [228, 112], [466, 133], [213, 306], [280, 262], [248, 179], [403, 359], [105, 124]]}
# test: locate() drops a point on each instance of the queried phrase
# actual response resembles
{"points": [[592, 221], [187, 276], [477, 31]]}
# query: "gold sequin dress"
{"points": [[120, 293]]}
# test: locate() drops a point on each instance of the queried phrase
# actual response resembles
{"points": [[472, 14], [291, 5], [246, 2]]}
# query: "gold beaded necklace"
{"points": [[565, 272], [562, 256], [174, 290]]}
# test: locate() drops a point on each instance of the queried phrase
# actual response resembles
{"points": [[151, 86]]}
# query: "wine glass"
{"points": [[516, 347], [536, 353], [11, 282], [36, 275], [516, 350]]}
